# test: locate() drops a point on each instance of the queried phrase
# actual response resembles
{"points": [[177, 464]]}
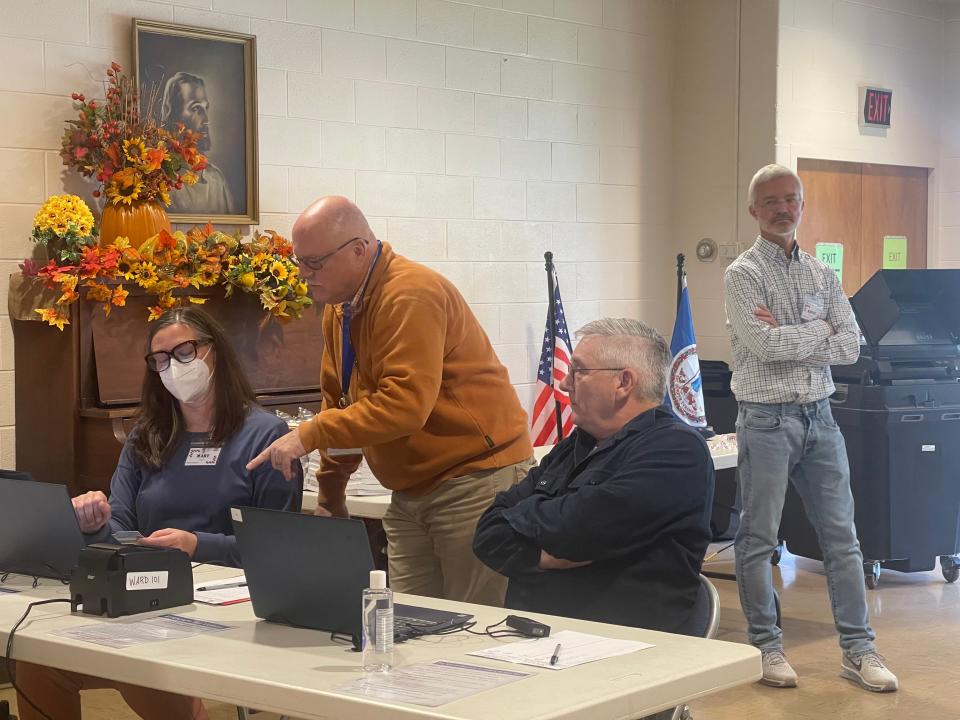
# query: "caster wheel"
{"points": [[871, 574], [950, 566]]}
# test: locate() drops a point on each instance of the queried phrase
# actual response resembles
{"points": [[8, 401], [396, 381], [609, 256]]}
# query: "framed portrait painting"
{"points": [[205, 79]]}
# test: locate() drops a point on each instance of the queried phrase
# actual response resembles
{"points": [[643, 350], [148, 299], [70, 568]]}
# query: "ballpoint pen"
{"points": [[221, 587], [556, 655]]}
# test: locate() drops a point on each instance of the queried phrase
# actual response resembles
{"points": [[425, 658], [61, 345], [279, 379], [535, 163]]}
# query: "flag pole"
{"points": [[552, 322], [680, 260]]}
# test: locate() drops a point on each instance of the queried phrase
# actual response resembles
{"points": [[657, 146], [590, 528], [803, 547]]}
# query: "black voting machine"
{"points": [[898, 408]]}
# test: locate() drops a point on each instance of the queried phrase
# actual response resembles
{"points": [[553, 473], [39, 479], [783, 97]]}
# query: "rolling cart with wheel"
{"points": [[898, 408]]}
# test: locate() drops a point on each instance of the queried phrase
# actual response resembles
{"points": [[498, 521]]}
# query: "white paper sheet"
{"points": [[431, 684], [364, 483], [121, 634], [226, 591], [575, 649]]}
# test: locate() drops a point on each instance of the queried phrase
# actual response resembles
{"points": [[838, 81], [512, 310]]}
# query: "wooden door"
{"points": [[858, 204], [831, 195], [894, 203]]}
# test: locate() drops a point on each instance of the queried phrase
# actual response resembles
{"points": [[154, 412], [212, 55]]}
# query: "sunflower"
{"points": [[124, 195], [278, 270], [124, 187], [209, 274], [146, 274], [126, 268], [135, 150]]}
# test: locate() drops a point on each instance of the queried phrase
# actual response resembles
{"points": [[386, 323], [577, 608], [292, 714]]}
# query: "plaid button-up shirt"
{"points": [[790, 363]]}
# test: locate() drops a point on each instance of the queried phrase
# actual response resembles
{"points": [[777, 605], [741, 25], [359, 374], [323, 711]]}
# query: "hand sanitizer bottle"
{"points": [[377, 624]]}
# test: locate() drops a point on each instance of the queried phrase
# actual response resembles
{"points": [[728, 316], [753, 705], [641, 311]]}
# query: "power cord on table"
{"points": [[9, 662]]}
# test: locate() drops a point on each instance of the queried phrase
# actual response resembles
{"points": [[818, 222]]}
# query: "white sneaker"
{"points": [[868, 671], [777, 671]]}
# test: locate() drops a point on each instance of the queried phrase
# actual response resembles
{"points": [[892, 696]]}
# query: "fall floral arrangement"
{"points": [[169, 265], [64, 224], [265, 267], [132, 157]]}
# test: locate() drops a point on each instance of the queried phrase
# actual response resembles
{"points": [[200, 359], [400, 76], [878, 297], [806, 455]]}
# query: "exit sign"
{"points": [[876, 104]]}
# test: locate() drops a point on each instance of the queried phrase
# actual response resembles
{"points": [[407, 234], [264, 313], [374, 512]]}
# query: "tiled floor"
{"points": [[916, 616]]}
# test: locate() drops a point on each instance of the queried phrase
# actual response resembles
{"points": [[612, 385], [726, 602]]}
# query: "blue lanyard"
{"points": [[346, 361], [347, 351]]}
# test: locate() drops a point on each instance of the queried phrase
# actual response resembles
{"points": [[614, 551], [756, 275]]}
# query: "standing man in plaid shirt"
{"points": [[789, 321]]}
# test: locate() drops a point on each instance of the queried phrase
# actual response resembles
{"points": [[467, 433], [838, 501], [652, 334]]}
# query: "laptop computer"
{"points": [[39, 533], [310, 572]]}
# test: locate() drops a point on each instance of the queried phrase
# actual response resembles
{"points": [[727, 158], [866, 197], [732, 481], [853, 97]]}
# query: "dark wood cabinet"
{"points": [[77, 391]]}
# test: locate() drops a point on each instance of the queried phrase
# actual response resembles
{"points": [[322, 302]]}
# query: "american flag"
{"points": [[555, 358]]}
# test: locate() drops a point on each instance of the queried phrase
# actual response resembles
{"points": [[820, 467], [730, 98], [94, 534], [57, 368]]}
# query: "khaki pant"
{"points": [[57, 693], [430, 538]]}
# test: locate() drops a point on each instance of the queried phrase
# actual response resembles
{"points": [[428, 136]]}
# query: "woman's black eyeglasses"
{"points": [[184, 352]]}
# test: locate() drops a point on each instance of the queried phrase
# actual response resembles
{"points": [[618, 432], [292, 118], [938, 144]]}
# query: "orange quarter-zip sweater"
{"points": [[429, 399]]}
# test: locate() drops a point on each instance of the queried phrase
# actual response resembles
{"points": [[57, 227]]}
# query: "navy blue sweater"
{"points": [[637, 505], [198, 498]]}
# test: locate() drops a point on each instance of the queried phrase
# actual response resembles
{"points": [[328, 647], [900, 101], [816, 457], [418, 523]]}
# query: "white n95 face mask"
{"points": [[187, 382]]}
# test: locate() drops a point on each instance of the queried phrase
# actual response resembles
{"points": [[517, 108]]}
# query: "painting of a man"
{"points": [[185, 100], [204, 79]]}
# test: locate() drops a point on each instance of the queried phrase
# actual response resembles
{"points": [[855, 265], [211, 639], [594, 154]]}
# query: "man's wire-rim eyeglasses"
{"points": [[315, 262]]}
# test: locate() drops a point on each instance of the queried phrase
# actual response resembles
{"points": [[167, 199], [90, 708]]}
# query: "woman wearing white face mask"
{"points": [[184, 466]]}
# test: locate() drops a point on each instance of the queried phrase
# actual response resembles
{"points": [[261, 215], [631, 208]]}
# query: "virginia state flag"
{"points": [[684, 385]]}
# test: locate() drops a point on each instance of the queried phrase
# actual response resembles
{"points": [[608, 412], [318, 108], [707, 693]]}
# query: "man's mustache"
{"points": [[786, 217]]}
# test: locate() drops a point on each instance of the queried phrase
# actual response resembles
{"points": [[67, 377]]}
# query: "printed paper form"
{"points": [[119, 634], [226, 591], [431, 684], [575, 649]]}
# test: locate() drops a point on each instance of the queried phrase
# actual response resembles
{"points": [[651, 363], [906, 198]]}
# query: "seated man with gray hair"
{"points": [[614, 523]]}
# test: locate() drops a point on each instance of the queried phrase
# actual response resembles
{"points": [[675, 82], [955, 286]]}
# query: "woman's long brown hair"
{"points": [[160, 424]]}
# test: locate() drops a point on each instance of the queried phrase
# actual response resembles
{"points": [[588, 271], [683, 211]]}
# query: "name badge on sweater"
{"points": [[202, 456], [812, 308]]}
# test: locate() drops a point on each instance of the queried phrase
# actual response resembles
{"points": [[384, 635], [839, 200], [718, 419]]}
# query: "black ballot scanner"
{"points": [[898, 408]]}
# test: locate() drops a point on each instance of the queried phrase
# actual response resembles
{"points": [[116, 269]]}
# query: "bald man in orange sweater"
{"points": [[409, 377]]}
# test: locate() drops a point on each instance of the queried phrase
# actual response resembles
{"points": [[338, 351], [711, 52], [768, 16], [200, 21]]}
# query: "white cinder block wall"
{"points": [[828, 48], [476, 135]]}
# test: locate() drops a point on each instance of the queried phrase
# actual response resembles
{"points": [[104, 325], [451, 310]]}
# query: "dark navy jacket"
{"points": [[637, 505]]}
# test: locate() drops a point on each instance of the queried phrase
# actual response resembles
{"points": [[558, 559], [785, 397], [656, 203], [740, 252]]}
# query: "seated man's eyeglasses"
{"points": [[315, 262], [184, 352]]}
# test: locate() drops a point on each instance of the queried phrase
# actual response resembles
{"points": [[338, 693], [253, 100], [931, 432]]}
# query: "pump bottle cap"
{"points": [[378, 580]]}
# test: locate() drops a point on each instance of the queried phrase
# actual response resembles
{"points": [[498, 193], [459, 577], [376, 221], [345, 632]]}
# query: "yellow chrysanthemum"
{"points": [[135, 150], [61, 213], [278, 270], [301, 289]]}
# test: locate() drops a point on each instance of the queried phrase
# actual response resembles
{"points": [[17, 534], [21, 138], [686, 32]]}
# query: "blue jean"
{"points": [[802, 444]]}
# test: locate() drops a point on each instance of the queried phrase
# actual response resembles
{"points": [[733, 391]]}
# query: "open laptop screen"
{"points": [[39, 534]]}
